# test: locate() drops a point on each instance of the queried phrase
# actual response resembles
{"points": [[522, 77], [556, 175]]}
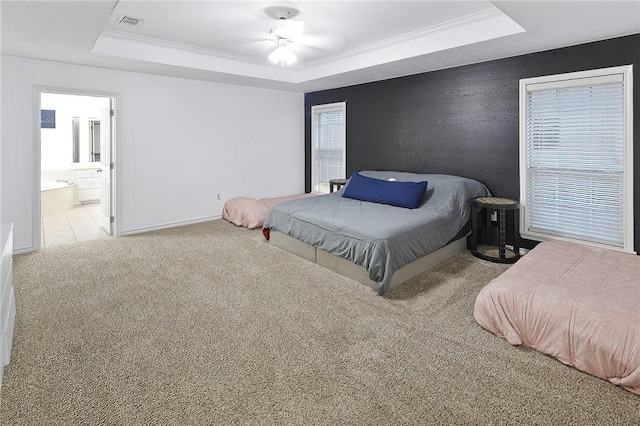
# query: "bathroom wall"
{"points": [[57, 143]]}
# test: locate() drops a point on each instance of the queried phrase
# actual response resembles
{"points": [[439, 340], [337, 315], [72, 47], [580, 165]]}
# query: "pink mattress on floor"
{"points": [[251, 213], [579, 305]]}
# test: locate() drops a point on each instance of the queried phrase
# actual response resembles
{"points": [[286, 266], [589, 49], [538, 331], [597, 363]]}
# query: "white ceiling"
{"points": [[343, 43]]}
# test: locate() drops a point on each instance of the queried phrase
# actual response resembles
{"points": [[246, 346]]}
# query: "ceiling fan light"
{"points": [[283, 56]]}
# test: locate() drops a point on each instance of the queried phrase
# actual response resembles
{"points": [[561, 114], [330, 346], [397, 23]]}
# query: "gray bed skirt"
{"points": [[357, 272]]}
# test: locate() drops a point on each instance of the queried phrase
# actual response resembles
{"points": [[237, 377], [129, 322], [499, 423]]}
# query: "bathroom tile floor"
{"points": [[78, 224]]}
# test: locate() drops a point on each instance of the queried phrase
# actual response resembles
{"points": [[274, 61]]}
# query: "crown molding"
{"points": [[463, 21], [149, 49], [157, 42], [470, 29]]}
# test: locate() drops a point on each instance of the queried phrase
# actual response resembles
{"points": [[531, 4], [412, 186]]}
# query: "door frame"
{"points": [[37, 150]]}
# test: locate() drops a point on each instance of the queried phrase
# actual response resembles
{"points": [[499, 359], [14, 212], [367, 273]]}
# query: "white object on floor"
{"points": [[7, 298]]}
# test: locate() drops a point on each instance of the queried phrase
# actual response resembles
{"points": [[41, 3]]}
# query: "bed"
{"points": [[381, 239], [251, 213], [577, 304]]}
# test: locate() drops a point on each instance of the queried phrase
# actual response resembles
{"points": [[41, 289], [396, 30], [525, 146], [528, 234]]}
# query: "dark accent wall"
{"points": [[464, 120]]}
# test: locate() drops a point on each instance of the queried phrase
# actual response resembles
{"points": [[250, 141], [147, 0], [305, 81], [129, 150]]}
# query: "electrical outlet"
{"points": [[219, 196]]}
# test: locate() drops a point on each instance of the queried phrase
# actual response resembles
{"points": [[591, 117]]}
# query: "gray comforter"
{"points": [[381, 238]]}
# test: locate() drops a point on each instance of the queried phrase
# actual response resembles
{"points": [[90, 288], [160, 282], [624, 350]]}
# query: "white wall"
{"points": [[57, 144], [179, 143]]}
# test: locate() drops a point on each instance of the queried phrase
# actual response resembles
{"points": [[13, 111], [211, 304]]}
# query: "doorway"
{"points": [[76, 145]]}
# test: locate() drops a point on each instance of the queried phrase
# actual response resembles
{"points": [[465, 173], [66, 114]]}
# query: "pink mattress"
{"points": [[251, 213], [579, 305]]}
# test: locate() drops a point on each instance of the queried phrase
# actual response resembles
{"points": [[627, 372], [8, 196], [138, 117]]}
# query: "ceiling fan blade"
{"points": [[324, 42], [289, 29]]}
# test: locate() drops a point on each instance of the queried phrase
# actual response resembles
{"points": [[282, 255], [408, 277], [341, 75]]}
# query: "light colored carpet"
{"points": [[209, 324]]}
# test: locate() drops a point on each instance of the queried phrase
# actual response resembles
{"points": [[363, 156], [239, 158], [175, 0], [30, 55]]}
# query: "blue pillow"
{"points": [[399, 194]]}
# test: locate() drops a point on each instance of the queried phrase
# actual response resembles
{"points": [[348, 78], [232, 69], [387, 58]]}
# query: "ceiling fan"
{"points": [[290, 37], [283, 33]]}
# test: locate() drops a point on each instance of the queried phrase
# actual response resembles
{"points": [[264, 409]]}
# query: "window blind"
{"points": [[575, 145], [328, 143]]}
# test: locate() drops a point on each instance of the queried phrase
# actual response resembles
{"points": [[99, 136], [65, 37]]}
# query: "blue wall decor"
{"points": [[47, 119]]}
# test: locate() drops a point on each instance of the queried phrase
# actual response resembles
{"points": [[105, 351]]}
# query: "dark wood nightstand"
{"points": [[501, 206], [337, 183]]}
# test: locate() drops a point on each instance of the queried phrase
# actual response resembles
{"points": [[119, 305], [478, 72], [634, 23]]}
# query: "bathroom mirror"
{"points": [[94, 139], [86, 142]]}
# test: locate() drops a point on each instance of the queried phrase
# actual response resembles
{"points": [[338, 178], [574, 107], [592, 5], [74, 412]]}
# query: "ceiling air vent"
{"points": [[129, 20]]}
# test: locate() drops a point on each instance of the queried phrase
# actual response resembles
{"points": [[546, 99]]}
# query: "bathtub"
{"points": [[56, 197]]}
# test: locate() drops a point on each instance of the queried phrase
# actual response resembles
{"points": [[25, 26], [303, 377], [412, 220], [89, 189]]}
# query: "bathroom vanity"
{"points": [[87, 179]]}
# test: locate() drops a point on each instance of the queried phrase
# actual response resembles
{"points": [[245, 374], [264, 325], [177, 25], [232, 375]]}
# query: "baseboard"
{"points": [[140, 230], [23, 250], [170, 225]]}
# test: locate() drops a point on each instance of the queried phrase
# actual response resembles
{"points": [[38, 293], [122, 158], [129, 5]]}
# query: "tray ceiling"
{"points": [[343, 42]]}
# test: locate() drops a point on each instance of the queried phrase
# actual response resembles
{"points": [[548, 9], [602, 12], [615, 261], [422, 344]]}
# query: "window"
{"points": [[576, 158], [328, 144]]}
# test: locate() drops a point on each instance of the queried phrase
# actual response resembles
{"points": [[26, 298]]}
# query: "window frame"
{"points": [[564, 80], [316, 110]]}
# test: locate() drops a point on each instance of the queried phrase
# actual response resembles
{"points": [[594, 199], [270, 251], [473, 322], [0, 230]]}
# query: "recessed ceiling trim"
{"points": [[473, 29], [125, 45], [151, 41], [492, 14]]}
